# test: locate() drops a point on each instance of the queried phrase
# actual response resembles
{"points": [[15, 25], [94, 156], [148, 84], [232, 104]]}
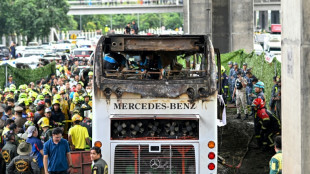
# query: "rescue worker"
{"points": [[259, 90], [46, 132], [99, 166], [24, 163], [48, 115], [78, 135], [275, 163], [57, 114], [85, 105], [274, 90], [266, 125], [224, 87], [239, 91], [9, 151], [29, 122]]}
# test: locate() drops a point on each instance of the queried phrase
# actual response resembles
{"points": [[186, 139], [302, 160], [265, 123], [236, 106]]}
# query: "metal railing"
{"points": [[266, 1], [124, 2]]}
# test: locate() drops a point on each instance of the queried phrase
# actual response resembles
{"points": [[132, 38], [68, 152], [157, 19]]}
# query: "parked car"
{"points": [[80, 53], [4, 52]]}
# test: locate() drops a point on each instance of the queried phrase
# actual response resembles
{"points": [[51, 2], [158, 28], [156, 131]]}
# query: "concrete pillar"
{"points": [[263, 20], [241, 22], [220, 25], [296, 86], [275, 17], [197, 16]]}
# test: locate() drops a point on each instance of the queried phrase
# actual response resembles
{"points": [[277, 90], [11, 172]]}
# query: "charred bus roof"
{"points": [[155, 66]]}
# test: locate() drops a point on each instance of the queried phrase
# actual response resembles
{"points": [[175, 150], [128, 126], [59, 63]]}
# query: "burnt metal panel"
{"points": [[167, 44]]}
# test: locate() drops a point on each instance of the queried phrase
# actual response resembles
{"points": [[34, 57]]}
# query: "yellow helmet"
{"points": [[33, 94], [76, 117], [44, 122], [223, 69], [55, 101], [57, 97], [90, 73]]}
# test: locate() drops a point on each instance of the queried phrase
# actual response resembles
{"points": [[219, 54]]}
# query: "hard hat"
{"points": [[55, 102], [90, 73], [76, 117], [23, 100], [40, 97], [259, 103], [41, 102], [22, 95], [235, 63], [13, 86], [81, 83], [57, 97], [81, 98], [45, 92], [230, 63], [30, 114], [44, 122], [259, 85], [222, 69], [33, 94], [12, 89], [245, 64]]}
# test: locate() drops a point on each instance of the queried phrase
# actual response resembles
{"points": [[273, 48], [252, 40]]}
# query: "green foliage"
{"points": [[263, 70], [172, 20], [90, 26], [33, 18], [25, 76], [146, 21]]}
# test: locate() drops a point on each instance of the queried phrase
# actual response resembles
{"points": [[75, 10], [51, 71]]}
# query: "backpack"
{"points": [[239, 84]]}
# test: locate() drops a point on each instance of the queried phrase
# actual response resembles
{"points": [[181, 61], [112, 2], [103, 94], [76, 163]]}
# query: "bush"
{"points": [[25, 76]]}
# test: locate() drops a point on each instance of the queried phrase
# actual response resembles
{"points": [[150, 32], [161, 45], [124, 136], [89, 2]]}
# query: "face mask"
{"points": [[71, 79], [88, 90]]}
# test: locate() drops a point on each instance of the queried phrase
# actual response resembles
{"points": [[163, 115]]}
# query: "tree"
{"points": [[90, 26], [34, 18]]}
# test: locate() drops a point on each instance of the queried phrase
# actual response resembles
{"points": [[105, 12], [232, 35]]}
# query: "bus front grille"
{"points": [[165, 159]]}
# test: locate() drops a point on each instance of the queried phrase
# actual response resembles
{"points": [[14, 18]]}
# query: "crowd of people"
{"points": [[246, 91], [35, 117], [131, 28]]}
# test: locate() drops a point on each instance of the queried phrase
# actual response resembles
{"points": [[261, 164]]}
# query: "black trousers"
{"points": [[59, 172]]}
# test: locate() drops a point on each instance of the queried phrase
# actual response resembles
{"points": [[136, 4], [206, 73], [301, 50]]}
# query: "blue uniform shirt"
{"points": [[57, 155], [36, 147]]}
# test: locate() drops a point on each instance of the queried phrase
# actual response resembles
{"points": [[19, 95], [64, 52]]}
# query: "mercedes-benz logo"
{"points": [[154, 163]]}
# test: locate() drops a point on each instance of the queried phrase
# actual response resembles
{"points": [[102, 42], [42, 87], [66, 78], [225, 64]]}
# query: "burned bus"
{"points": [[155, 104]]}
